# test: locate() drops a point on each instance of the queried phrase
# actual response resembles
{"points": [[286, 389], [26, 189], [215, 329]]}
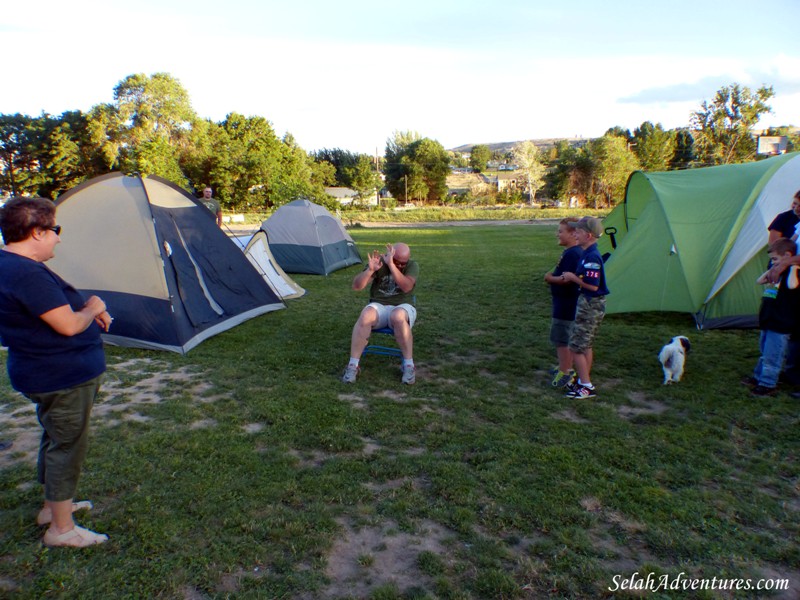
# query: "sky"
{"points": [[348, 74]]}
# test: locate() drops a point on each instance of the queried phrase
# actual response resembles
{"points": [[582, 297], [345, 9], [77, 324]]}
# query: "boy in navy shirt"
{"points": [[591, 279], [565, 299]]}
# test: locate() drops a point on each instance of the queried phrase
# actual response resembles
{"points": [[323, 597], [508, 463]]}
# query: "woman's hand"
{"points": [[104, 320]]}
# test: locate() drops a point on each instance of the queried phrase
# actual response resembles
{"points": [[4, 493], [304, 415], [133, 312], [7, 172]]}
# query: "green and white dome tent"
{"points": [[694, 241]]}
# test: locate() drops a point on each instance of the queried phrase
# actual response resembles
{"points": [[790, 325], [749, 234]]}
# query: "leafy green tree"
{"points": [[152, 117], [363, 177], [435, 162], [620, 132], [295, 178], [457, 159], [614, 163], [684, 150], [17, 161], [64, 153], [529, 159], [572, 174], [394, 169], [105, 134], [244, 162], [653, 146], [323, 173], [722, 128], [479, 156], [153, 107], [342, 160]]}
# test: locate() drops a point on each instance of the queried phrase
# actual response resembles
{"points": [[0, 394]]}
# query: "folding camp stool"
{"points": [[383, 350], [386, 350]]}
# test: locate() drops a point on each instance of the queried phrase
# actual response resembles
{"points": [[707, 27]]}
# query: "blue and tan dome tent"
{"points": [[694, 241], [169, 276]]}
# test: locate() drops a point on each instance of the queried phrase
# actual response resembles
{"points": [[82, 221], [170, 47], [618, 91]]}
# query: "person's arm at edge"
{"points": [[774, 274]]}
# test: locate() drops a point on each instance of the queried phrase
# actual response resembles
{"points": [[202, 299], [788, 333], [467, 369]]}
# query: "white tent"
{"points": [[256, 249]]}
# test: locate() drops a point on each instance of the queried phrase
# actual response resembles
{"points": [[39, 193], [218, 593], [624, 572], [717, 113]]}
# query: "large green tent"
{"points": [[694, 241]]}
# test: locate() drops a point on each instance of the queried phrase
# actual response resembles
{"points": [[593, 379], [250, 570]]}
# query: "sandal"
{"points": [[46, 515], [78, 537]]}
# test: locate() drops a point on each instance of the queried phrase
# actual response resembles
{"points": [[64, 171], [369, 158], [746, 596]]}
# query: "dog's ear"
{"points": [[686, 344]]}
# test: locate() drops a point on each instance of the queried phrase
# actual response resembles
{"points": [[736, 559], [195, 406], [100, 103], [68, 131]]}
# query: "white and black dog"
{"points": [[672, 358]]}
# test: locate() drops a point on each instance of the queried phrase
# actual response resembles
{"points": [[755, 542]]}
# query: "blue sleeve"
{"points": [[593, 270]]}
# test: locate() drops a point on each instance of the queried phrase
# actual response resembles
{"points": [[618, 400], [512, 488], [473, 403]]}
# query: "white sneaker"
{"points": [[350, 374], [409, 374]]}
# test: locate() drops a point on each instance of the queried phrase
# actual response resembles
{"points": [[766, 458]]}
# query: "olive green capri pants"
{"points": [[64, 417]]}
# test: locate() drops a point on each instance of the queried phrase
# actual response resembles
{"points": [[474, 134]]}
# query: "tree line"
{"points": [[595, 172], [150, 128]]}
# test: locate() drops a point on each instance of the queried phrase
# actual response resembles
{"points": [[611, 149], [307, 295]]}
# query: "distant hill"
{"points": [[543, 144]]}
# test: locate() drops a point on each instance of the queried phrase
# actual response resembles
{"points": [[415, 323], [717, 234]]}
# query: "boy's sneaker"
{"points": [[579, 391], [350, 374], [761, 390], [409, 374], [561, 379]]}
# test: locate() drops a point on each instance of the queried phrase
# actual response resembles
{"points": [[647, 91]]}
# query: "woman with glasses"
{"points": [[55, 358]]}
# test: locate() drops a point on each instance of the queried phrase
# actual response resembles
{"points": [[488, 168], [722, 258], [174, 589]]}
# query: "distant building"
{"points": [[346, 196], [506, 181], [770, 145]]}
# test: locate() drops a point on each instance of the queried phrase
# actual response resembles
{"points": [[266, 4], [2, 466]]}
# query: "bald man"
{"points": [[393, 276], [212, 205]]}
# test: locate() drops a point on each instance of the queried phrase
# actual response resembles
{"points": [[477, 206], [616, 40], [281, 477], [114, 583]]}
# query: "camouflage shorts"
{"points": [[589, 314]]}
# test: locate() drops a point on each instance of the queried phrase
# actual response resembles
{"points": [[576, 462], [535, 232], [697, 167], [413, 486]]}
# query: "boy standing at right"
{"points": [[776, 318], [591, 279]]}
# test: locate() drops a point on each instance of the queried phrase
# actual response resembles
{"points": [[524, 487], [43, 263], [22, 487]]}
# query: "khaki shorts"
{"points": [[589, 314], [385, 310]]}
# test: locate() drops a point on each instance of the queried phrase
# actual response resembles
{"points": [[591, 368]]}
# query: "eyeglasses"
{"points": [[55, 228]]}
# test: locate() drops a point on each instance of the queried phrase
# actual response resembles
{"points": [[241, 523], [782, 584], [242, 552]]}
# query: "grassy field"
{"points": [[247, 470], [353, 217]]}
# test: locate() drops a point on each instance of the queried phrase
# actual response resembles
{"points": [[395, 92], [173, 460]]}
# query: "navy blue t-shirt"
{"points": [[591, 271], [785, 222], [565, 297], [39, 358]]}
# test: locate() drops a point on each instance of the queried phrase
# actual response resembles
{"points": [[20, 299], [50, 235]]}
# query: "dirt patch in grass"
{"points": [[393, 395], [642, 405], [620, 558], [367, 558], [128, 387], [569, 414], [354, 400]]}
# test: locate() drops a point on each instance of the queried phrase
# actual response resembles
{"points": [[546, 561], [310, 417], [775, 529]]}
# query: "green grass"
{"points": [[260, 475]]}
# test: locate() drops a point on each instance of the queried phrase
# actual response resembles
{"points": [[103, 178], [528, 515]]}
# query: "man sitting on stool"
{"points": [[393, 276]]}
